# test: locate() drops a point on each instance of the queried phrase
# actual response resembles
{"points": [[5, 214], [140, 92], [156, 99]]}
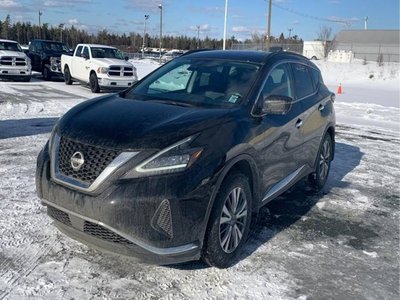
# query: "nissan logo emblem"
{"points": [[77, 161]]}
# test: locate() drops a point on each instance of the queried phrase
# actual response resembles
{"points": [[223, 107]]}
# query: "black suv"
{"points": [[175, 168], [46, 57]]}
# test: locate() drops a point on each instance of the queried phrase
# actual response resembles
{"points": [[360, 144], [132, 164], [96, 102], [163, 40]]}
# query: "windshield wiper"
{"points": [[184, 104]]}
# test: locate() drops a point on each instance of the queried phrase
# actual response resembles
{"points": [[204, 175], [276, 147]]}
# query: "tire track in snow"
{"points": [[22, 266]]}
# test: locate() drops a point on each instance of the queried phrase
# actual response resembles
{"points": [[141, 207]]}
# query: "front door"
{"points": [[278, 139]]}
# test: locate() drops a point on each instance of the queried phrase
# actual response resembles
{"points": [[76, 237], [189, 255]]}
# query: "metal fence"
{"points": [[371, 52], [298, 47]]}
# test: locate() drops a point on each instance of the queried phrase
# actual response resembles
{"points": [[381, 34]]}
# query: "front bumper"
{"points": [[113, 83], [152, 218], [20, 72]]}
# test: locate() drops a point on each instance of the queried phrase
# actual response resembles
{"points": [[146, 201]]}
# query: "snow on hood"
{"points": [[106, 62], [12, 53]]}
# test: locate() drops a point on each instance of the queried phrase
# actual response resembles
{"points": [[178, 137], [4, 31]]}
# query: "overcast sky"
{"points": [[304, 17]]}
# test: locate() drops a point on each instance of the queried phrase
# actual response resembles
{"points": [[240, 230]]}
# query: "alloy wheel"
{"points": [[233, 220], [324, 159]]}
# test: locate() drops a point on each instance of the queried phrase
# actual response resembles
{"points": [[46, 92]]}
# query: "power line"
{"points": [[346, 22]]}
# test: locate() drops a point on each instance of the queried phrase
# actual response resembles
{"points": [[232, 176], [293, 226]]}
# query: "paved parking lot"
{"points": [[342, 243]]}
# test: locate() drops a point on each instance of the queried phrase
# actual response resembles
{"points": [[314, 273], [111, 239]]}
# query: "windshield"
{"points": [[55, 47], [198, 82], [10, 46], [98, 52]]}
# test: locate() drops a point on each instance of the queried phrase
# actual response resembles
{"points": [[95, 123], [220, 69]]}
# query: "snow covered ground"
{"points": [[342, 243]]}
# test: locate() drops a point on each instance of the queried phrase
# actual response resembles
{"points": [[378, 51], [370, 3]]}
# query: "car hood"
{"points": [[12, 53], [106, 62], [115, 122]]}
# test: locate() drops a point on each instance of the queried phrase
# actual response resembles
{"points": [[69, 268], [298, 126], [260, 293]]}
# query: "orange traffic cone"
{"points": [[339, 89]]}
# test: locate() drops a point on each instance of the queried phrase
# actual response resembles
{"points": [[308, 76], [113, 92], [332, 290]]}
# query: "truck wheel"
{"points": [[46, 73], [229, 222], [94, 83], [67, 76]]}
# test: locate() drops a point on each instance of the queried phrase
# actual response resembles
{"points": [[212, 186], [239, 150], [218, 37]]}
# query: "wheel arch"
{"points": [[244, 164]]}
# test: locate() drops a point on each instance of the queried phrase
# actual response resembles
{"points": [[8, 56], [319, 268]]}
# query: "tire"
{"points": [[46, 73], [94, 83], [67, 76], [226, 236], [318, 179]]}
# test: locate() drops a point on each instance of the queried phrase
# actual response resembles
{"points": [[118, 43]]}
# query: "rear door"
{"points": [[77, 64], [278, 139], [313, 100], [34, 55]]}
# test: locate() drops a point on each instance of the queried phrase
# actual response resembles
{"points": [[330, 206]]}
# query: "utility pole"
{"points": [[225, 20], [40, 27], [161, 12], [146, 17], [198, 36], [269, 25], [366, 23]]}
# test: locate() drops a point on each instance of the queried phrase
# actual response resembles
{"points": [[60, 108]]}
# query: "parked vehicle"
{"points": [[175, 168], [102, 67], [170, 55], [315, 49], [45, 56], [14, 63]]}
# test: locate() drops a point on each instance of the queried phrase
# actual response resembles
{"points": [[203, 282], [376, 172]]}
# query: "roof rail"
{"points": [[196, 50]]}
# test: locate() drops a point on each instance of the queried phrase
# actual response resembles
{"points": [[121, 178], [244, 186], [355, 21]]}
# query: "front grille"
{"points": [[6, 61], [100, 232], [12, 61], [120, 71], [96, 159], [58, 215], [20, 61]]}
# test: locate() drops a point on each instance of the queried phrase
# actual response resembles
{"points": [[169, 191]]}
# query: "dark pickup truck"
{"points": [[46, 57]]}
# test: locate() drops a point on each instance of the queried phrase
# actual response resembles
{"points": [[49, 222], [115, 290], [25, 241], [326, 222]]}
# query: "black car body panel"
{"points": [[163, 217]]}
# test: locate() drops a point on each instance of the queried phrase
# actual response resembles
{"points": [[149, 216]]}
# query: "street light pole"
{"points": [[146, 17], [269, 25], [40, 27], [226, 16], [161, 12]]}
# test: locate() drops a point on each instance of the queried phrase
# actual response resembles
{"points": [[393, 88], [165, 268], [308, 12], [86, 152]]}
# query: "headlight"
{"points": [[177, 157], [28, 62], [53, 61], [102, 70]]}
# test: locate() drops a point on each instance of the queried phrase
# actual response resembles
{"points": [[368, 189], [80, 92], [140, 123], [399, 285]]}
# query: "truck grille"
{"points": [[96, 159], [103, 233], [120, 71], [12, 61]]}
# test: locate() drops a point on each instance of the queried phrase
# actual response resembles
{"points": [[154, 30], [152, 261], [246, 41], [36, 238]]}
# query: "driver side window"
{"points": [[278, 82]]}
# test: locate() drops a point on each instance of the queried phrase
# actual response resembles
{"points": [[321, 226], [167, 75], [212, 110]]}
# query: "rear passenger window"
{"points": [[303, 83], [316, 76]]}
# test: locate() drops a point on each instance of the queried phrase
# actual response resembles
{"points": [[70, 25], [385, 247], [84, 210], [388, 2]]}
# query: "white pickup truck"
{"points": [[14, 63], [102, 67]]}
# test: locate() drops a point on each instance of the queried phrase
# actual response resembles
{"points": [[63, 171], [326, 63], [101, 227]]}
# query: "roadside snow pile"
{"points": [[144, 66]]}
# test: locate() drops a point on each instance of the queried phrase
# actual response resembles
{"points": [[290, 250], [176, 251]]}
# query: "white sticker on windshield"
{"points": [[234, 98]]}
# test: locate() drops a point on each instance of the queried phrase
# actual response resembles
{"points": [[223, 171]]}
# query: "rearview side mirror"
{"points": [[276, 105]]}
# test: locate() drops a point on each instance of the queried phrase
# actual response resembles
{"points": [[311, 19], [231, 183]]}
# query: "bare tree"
{"points": [[325, 35]]}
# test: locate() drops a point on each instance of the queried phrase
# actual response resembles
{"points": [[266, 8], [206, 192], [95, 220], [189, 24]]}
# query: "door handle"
{"points": [[321, 107], [299, 123]]}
